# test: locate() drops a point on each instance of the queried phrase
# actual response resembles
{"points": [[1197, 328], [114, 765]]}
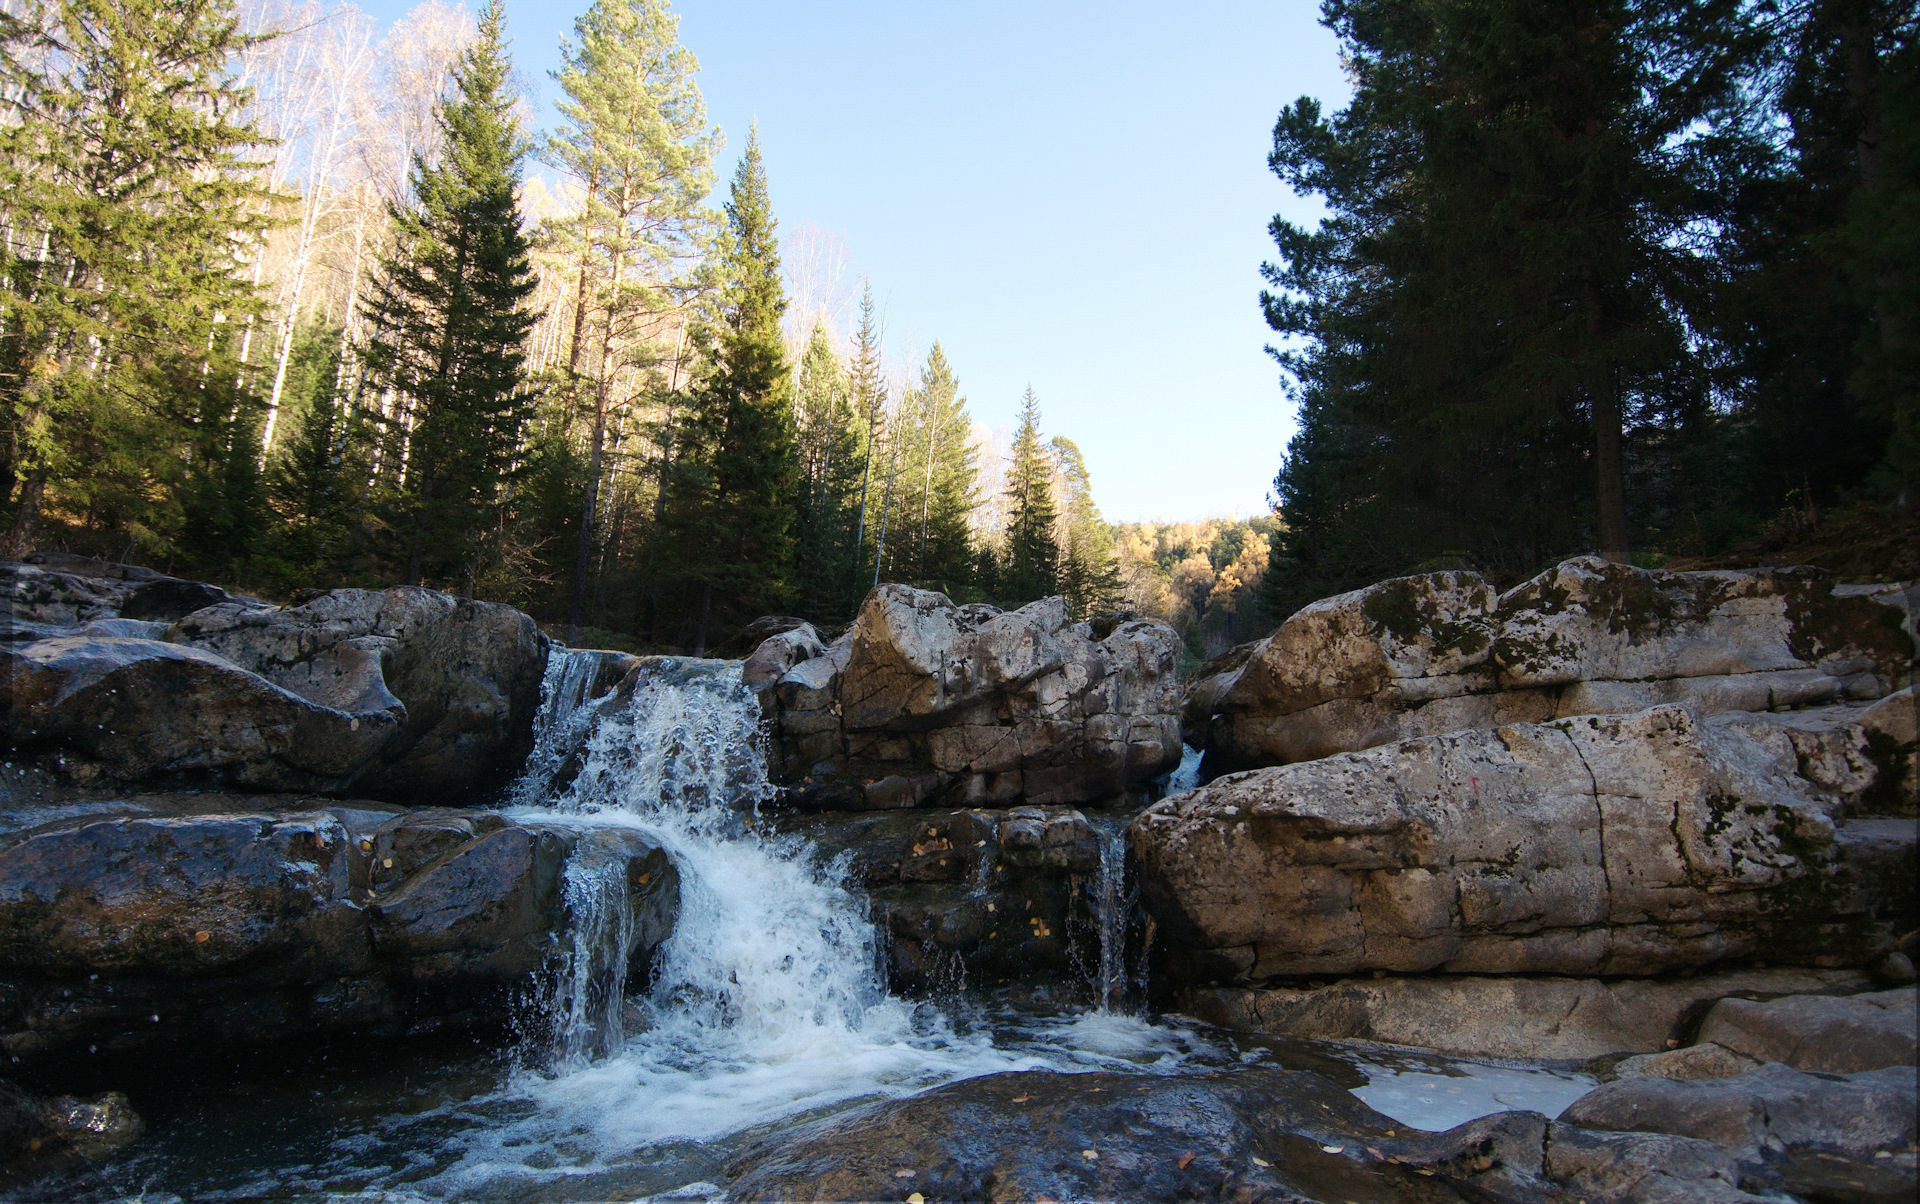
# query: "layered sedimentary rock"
{"points": [[1417, 656], [133, 926], [405, 694], [925, 703], [1614, 844], [975, 897]]}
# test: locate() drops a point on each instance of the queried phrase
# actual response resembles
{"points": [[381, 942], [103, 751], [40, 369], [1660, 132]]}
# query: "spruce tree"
{"points": [[832, 455], [1089, 568], [128, 207], [316, 479], [449, 317], [940, 487], [1031, 567], [869, 385], [738, 467]]}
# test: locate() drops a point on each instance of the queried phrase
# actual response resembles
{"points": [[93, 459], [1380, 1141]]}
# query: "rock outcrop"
{"points": [[925, 703], [975, 898], [133, 927], [1264, 1133], [404, 694], [1418, 656], [1613, 844], [1500, 1016]]}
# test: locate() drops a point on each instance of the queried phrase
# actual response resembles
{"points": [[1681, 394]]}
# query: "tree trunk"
{"points": [[26, 516], [1610, 489], [700, 630], [589, 509]]}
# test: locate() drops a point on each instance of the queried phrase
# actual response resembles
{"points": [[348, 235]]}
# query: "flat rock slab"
{"points": [[1503, 1017], [1251, 1134], [1810, 1032]]}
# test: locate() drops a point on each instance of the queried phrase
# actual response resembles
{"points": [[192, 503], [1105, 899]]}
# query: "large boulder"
{"points": [[1417, 656], [1613, 844], [132, 927], [925, 703], [405, 693]]}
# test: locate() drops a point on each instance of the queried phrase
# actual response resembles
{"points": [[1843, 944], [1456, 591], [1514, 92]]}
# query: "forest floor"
{"points": [[1856, 544]]}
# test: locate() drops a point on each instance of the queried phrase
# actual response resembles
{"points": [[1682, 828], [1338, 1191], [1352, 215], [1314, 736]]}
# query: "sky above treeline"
{"points": [[1072, 196]]}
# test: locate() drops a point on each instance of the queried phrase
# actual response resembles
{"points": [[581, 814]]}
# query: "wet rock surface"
{"points": [[978, 897], [1508, 1017], [35, 1128], [925, 703], [1618, 845], [1262, 1134], [405, 694], [146, 926], [1417, 656]]}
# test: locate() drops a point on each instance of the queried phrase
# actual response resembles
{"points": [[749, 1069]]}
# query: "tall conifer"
{"points": [[1031, 567], [447, 307], [127, 208], [638, 147], [738, 467], [832, 454]]}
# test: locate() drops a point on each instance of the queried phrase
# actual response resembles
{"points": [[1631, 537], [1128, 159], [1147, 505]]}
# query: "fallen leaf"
{"points": [[904, 1174], [1186, 1160], [1373, 1153], [202, 937], [1333, 1149], [1090, 1155], [1261, 1162], [916, 1198], [1021, 1099]]}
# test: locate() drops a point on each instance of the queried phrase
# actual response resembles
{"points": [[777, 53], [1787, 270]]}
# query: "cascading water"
{"points": [[1113, 912]]}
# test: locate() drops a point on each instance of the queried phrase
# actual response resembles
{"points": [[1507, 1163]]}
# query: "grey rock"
{"points": [[1775, 1108], [1503, 1017], [1810, 1032], [1417, 656], [1643, 1168], [406, 693], [1245, 1134], [33, 1129], [925, 703], [1629, 845], [133, 931], [1708, 1060]]}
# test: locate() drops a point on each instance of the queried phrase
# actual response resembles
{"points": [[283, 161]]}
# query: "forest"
{"points": [[1639, 277], [290, 303]]}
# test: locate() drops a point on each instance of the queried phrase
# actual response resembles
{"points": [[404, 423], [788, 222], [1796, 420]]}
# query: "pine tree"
{"points": [[638, 147], [449, 323], [738, 467], [1032, 564], [127, 207], [1089, 568], [832, 454], [1506, 282]]}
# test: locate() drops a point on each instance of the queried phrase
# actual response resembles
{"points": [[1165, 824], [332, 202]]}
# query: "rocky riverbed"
{"points": [[1601, 889]]}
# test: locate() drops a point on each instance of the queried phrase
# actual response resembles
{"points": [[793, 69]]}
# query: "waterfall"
{"points": [[586, 999], [1113, 913], [768, 998], [559, 725]]}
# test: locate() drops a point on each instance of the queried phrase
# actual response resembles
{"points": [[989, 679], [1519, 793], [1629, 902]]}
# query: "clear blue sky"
{"points": [[1067, 195]]}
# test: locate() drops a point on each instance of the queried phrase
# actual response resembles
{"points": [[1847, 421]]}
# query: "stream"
{"points": [[767, 1009]]}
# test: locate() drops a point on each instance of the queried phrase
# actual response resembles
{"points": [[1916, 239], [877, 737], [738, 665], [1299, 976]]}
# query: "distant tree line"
{"points": [[1204, 577], [280, 306], [1626, 276]]}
